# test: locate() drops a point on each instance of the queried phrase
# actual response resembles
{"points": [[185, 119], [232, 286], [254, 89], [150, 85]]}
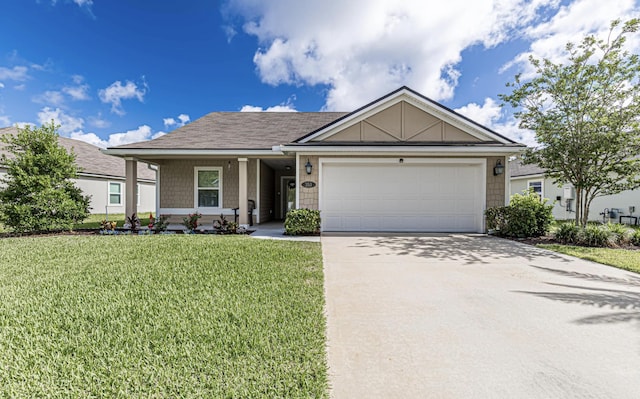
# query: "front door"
{"points": [[288, 195]]}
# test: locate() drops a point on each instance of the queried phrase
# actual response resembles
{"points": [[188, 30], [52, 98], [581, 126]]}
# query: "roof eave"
{"points": [[150, 152], [407, 150]]}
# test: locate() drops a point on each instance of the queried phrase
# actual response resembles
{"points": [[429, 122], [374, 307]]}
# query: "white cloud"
{"points": [[1, 85], [362, 49], [17, 73], [275, 108], [570, 24], [49, 97], [20, 87], [492, 115], [84, 3], [116, 92], [99, 122], [4, 121], [80, 3], [181, 120], [24, 124], [90, 138], [79, 92], [142, 133], [68, 123], [158, 134], [286, 106]]}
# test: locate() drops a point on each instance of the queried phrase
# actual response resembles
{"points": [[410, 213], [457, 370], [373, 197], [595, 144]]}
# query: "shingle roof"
{"points": [[90, 159], [517, 169], [240, 130]]}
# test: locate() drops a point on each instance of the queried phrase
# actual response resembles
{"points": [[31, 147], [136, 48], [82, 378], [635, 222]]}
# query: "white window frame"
{"points": [[121, 193], [137, 194], [197, 169], [541, 181]]}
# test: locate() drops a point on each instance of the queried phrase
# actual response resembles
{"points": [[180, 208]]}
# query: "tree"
{"points": [[585, 116], [39, 194]]}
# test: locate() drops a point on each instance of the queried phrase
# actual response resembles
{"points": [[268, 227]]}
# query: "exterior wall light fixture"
{"points": [[308, 167], [498, 169]]}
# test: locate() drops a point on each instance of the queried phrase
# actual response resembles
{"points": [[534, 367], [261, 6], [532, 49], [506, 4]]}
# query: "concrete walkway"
{"points": [[275, 231], [459, 316]]}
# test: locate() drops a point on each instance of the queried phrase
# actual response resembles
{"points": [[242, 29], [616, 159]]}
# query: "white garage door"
{"points": [[412, 196]]}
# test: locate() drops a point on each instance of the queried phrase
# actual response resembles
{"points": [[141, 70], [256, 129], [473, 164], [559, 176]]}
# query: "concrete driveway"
{"points": [[460, 316]]}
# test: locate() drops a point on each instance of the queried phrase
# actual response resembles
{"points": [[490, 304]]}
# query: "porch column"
{"points": [[131, 187], [243, 184]]}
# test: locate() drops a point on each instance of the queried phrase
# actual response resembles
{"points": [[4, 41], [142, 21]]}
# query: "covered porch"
{"points": [[249, 190]]}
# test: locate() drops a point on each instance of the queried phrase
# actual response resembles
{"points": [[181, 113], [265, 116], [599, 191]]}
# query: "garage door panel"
{"points": [[416, 197]]}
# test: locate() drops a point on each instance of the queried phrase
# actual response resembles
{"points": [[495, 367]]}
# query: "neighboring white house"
{"points": [[605, 208], [103, 177]]}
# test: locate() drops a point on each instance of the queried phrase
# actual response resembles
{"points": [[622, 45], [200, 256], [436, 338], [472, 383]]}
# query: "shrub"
{"points": [[525, 216], [568, 233], [161, 223], [635, 238], [38, 192], [595, 236], [620, 234], [191, 221], [133, 222], [302, 221]]}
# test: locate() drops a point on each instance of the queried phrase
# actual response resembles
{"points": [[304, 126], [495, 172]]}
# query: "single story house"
{"points": [[605, 208], [401, 163], [103, 177]]}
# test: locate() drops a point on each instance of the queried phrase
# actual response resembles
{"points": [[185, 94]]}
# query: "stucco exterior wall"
{"points": [[551, 191], [98, 189]]}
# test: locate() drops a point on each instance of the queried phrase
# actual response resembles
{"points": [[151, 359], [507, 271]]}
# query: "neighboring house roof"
{"points": [[90, 159], [241, 130], [518, 169]]}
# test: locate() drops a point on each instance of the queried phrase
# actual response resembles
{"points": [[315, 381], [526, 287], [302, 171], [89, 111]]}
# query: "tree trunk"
{"points": [[579, 207]]}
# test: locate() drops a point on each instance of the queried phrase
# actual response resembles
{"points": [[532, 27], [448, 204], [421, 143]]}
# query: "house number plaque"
{"points": [[308, 184]]}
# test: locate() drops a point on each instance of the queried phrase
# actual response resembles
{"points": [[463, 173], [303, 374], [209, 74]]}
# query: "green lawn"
{"points": [[621, 258], [161, 316], [93, 221]]}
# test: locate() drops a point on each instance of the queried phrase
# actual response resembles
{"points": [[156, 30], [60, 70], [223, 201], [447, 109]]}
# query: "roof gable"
{"points": [[407, 117]]}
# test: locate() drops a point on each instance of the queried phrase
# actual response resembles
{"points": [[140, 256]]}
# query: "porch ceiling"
{"points": [[279, 163]]}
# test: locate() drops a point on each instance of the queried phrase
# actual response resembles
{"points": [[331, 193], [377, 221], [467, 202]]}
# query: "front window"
{"points": [[115, 193], [208, 182], [536, 186]]}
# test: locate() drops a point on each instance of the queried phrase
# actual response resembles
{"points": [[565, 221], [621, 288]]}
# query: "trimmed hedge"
{"points": [[302, 222], [525, 216]]}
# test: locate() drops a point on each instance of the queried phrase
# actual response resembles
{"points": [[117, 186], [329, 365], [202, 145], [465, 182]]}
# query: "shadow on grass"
{"points": [[619, 296], [468, 249]]}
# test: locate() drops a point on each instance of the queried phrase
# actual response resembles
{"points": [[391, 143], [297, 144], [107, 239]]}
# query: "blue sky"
{"points": [[113, 72]]}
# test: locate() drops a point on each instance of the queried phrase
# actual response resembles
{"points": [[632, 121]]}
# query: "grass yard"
{"points": [[161, 316], [621, 258], [93, 221]]}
